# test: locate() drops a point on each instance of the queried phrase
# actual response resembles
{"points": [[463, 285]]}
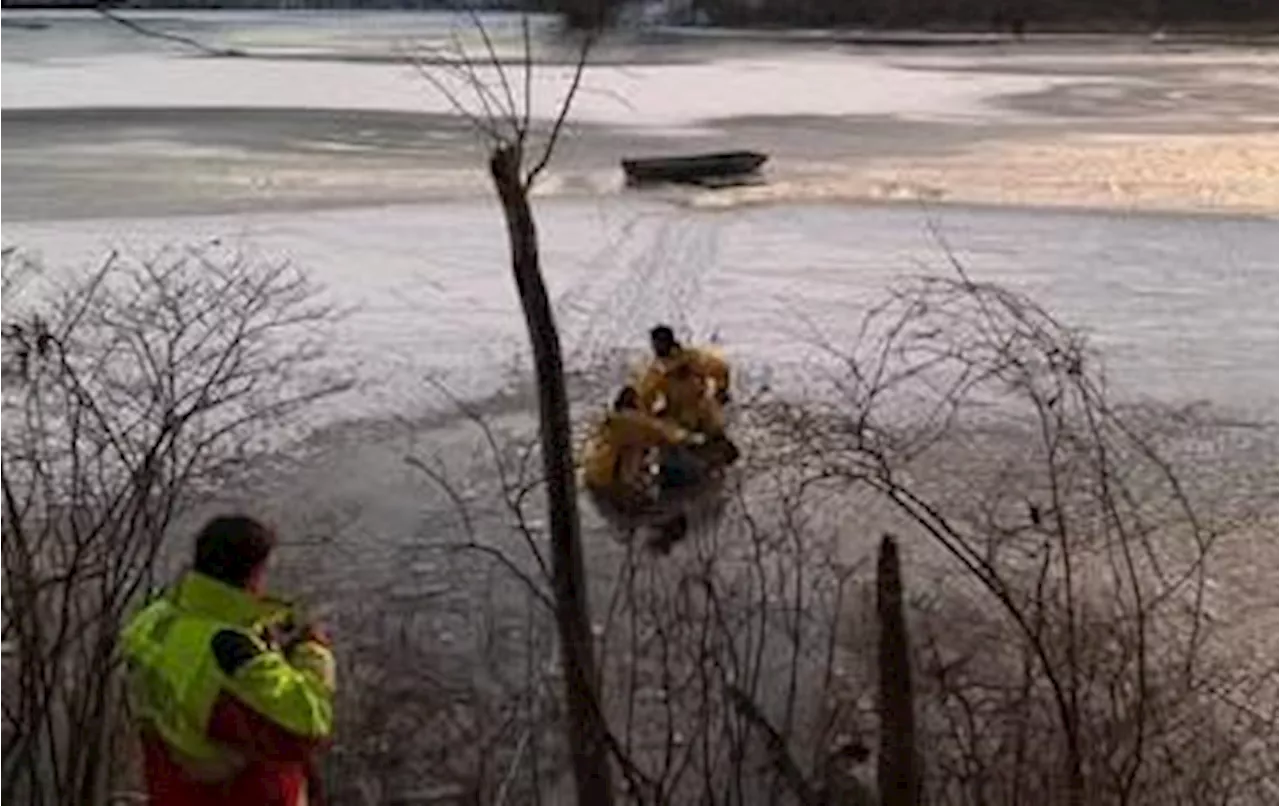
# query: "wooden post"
{"points": [[897, 776]]}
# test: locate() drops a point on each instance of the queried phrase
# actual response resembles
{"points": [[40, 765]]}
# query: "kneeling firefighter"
{"points": [[226, 714], [617, 459]]}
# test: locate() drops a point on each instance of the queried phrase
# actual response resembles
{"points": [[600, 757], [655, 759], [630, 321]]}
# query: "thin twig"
{"points": [[563, 115], [106, 11]]}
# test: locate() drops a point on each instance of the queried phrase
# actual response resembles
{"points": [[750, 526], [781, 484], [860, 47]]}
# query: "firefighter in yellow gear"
{"points": [[617, 459], [685, 385]]}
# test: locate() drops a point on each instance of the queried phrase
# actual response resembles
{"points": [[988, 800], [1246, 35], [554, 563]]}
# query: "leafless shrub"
{"points": [[705, 662], [129, 391], [1079, 664]]}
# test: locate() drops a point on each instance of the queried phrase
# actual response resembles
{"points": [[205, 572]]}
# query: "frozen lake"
{"points": [[1183, 308], [328, 150]]}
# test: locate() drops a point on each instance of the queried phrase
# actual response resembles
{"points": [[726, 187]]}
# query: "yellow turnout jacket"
{"points": [[683, 387], [616, 452]]}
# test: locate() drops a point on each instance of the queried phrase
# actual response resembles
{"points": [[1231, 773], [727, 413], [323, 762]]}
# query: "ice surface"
{"points": [[1183, 308], [669, 95]]}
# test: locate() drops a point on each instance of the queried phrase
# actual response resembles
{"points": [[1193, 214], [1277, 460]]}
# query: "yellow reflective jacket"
{"points": [[174, 678], [683, 387], [615, 453]]}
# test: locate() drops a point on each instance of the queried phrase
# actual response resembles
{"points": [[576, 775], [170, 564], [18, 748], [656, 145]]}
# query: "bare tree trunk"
{"points": [[896, 773], [586, 734]]}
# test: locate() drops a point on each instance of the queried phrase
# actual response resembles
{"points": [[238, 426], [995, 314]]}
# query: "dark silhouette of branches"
{"points": [[129, 392], [986, 423]]}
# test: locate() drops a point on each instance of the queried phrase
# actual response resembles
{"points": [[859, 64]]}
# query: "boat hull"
{"points": [[694, 169]]}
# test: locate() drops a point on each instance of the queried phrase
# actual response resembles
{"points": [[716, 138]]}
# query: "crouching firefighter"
{"points": [[226, 714], [616, 467], [688, 386]]}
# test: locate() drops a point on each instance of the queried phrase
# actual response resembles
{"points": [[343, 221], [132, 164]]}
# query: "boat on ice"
{"points": [[696, 169]]}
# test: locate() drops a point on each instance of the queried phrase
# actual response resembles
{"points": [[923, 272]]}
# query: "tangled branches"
{"points": [[128, 391], [1057, 576], [1080, 663]]}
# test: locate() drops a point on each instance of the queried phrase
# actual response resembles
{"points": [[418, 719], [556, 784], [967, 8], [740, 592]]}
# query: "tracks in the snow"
{"points": [[656, 270]]}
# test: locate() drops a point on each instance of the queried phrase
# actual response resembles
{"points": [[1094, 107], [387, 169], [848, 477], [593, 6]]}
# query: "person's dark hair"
{"points": [[628, 398], [230, 547]]}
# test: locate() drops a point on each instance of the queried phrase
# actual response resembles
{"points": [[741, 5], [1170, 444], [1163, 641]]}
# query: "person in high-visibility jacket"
{"points": [[227, 715], [617, 456], [687, 385]]}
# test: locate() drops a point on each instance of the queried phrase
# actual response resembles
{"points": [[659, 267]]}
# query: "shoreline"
{"points": [[943, 30]]}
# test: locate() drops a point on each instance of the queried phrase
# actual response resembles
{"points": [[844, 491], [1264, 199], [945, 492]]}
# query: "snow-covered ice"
{"points": [[670, 95], [1183, 308]]}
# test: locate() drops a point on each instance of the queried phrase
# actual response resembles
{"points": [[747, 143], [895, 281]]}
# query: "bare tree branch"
{"points": [[106, 11]]}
